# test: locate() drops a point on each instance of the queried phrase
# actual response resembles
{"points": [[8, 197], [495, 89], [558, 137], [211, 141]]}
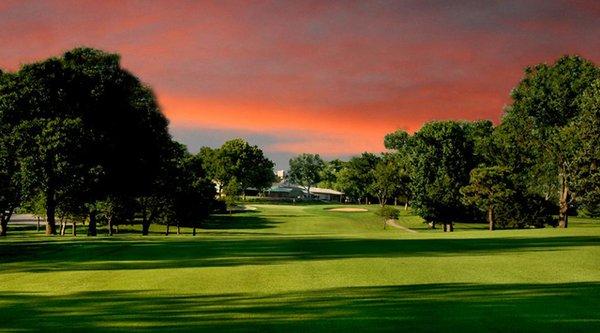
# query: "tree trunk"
{"points": [[145, 228], [37, 228], [406, 205], [50, 213], [178, 229], [92, 230], [63, 227], [110, 226], [563, 217], [431, 225], [194, 231], [116, 229], [74, 226], [395, 201], [3, 225], [167, 232], [490, 218], [448, 227], [146, 221]]}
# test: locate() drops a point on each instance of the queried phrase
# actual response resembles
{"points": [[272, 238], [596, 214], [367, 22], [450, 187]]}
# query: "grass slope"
{"points": [[299, 268]]}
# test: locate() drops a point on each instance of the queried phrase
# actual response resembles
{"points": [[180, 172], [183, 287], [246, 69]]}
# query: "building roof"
{"points": [[287, 187], [319, 190]]}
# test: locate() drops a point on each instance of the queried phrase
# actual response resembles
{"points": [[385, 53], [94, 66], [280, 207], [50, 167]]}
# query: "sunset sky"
{"points": [[328, 77]]}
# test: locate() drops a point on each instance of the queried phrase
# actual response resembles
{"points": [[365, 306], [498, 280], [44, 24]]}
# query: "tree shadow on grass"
{"points": [[152, 253], [237, 221], [570, 307]]}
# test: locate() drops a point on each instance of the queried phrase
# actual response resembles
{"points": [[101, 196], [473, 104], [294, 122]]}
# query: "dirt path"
{"points": [[393, 223]]}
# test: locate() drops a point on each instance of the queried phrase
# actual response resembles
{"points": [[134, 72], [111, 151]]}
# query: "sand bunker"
{"points": [[348, 209]]}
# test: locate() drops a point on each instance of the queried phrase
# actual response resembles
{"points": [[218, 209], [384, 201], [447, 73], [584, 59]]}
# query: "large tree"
{"points": [[306, 170], [586, 133], [545, 104], [444, 155], [85, 129]]}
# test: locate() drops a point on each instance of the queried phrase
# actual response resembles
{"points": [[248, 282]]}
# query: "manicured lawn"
{"points": [[305, 268]]}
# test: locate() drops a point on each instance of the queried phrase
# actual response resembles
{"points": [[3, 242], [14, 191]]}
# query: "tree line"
{"points": [[84, 140], [540, 162]]}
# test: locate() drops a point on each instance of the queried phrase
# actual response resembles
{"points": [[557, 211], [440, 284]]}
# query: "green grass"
{"points": [[305, 268]]}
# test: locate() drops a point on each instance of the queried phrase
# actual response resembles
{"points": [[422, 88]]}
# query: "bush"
{"points": [[388, 213]]}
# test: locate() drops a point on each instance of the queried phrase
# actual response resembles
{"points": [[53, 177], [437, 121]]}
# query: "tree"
{"points": [[51, 161], [195, 200], [586, 133], [232, 190], [238, 159], [489, 188], [10, 194], [357, 176], [546, 102], [398, 140], [305, 170], [443, 158], [401, 142], [330, 174], [112, 122], [386, 179]]}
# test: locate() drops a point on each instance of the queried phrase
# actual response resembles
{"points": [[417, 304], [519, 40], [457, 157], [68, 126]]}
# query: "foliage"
{"points": [[330, 173], [306, 170], [387, 179], [388, 213], [545, 104], [85, 128], [444, 157], [357, 176], [238, 159], [586, 129], [489, 189]]}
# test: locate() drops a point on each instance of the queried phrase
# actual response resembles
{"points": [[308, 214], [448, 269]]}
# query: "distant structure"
{"points": [[282, 175], [285, 190]]}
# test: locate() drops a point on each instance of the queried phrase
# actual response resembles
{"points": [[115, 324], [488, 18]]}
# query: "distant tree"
{"points": [[386, 179], [545, 103], [357, 176], [238, 159], [489, 188], [402, 145], [232, 190], [330, 173], [306, 170], [443, 157], [195, 200], [387, 213]]}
